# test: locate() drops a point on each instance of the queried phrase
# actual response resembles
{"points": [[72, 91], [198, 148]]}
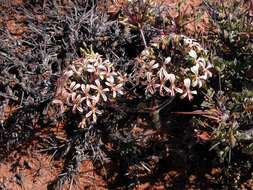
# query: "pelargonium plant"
{"points": [[172, 64], [87, 83]]}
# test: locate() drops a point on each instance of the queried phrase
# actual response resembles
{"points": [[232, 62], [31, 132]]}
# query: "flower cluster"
{"points": [[87, 83], [173, 64]]}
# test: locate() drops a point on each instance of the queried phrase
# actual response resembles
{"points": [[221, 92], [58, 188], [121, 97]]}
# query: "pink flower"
{"points": [[75, 101], [173, 87], [197, 80], [162, 86], [205, 67], [122, 78], [152, 65], [188, 92], [100, 90], [162, 73], [115, 88], [148, 69], [149, 75], [106, 72], [151, 86], [93, 110], [86, 91]]}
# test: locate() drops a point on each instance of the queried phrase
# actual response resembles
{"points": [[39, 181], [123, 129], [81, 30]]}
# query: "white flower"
{"points": [[75, 101], [205, 67], [122, 78], [193, 54], [149, 75], [162, 86], [152, 65], [86, 90], [106, 72], [162, 73], [173, 87], [100, 90], [94, 110], [197, 80], [115, 88], [151, 86], [188, 92]]}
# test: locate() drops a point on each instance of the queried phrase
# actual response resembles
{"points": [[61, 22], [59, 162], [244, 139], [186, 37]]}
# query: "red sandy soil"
{"points": [[35, 171]]}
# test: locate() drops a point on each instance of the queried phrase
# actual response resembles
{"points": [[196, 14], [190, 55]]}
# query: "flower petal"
{"points": [[183, 95], [99, 112], [76, 86], [93, 87], [106, 90], [187, 83], [88, 114], [172, 78], [179, 90], [104, 97], [195, 69], [91, 69], [194, 92], [69, 73], [89, 103], [80, 109], [83, 88], [72, 85], [167, 60], [97, 83], [114, 94], [193, 54], [73, 96]]}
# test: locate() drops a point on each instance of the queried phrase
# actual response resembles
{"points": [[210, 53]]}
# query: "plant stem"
{"points": [[143, 38]]}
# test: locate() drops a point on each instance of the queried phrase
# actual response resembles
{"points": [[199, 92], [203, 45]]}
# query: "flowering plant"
{"points": [[87, 83], [173, 64]]}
